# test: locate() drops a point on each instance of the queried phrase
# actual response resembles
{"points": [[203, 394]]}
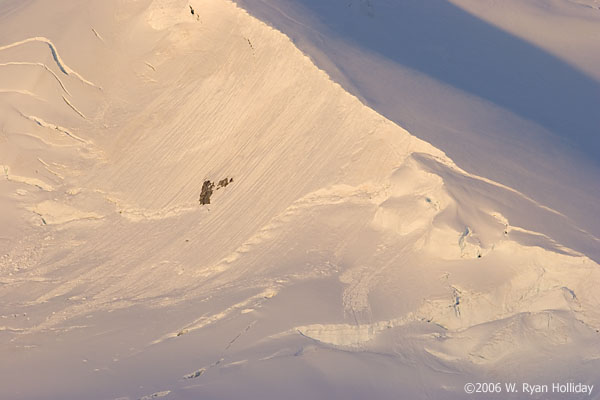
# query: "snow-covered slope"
{"points": [[339, 256], [508, 89]]}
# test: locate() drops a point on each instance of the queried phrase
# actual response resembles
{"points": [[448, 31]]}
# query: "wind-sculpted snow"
{"points": [[62, 86], [60, 129], [26, 180], [509, 98], [59, 62], [347, 258]]}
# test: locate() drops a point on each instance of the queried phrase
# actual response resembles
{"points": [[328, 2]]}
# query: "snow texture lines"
{"points": [[65, 69]]}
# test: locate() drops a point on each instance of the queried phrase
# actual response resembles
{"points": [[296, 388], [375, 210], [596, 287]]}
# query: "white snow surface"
{"points": [[508, 89], [345, 258]]}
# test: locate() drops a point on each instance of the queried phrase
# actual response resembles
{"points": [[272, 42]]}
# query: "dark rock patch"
{"points": [[207, 191], [208, 187]]}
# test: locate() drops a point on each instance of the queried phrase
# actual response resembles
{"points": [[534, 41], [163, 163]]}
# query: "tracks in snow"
{"points": [[206, 320], [217, 363]]}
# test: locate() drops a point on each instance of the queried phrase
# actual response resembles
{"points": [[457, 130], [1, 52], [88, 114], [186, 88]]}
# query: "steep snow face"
{"points": [[338, 255], [507, 89]]}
